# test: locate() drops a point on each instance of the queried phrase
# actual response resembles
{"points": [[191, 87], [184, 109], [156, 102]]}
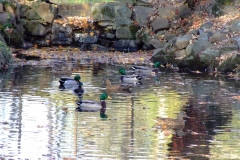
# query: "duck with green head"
{"points": [[64, 81], [129, 78], [143, 70], [93, 106]]}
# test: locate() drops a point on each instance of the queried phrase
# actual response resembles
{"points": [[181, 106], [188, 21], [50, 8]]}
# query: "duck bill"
{"points": [[109, 97]]}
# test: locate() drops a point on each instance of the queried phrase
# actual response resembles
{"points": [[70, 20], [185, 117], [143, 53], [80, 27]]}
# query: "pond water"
{"points": [[38, 120]]}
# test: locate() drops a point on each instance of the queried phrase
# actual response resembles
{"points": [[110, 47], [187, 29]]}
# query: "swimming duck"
{"points": [[64, 81], [143, 70], [172, 123], [129, 78], [92, 106], [114, 88], [79, 90]]}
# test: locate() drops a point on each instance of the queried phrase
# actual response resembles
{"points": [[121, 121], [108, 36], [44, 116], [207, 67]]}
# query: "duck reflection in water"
{"points": [[93, 106], [173, 124]]}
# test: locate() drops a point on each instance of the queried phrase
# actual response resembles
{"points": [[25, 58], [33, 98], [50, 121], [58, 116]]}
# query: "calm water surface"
{"points": [[34, 123]]}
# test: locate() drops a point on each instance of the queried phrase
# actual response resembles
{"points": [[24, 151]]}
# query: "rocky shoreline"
{"points": [[197, 37]]}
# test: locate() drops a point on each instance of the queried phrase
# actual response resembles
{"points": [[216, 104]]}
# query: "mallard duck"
{"points": [[64, 81], [92, 106], [143, 70], [114, 88], [79, 90], [129, 78], [172, 123]]}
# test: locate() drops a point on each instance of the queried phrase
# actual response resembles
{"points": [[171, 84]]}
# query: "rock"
{"points": [[228, 49], [184, 11], [7, 18], [170, 36], [181, 54], [14, 38], [23, 10], [1, 7], [35, 28], [189, 62], [103, 12], [123, 21], [189, 49], [126, 46], [61, 34], [218, 36], [235, 25], [159, 55], [160, 24], [127, 32], [230, 63], [106, 42], [207, 57], [8, 8], [200, 45], [89, 39], [168, 11], [32, 15], [156, 43], [108, 35], [231, 9], [50, 10], [206, 25], [236, 41], [182, 42], [140, 15], [123, 11]]}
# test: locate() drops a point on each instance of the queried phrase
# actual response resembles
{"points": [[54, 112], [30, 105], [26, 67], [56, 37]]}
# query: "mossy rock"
{"points": [[5, 54], [13, 38], [230, 64]]}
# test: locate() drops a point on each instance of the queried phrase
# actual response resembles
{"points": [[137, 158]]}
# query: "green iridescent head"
{"points": [[122, 71], [156, 65], [104, 96], [77, 78]]}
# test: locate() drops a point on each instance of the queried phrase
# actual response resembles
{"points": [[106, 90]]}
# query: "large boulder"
{"points": [[126, 32], [184, 11], [167, 11], [200, 45], [235, 25], [35, 28], [229, 63], [61, 34], [218, 36], [46, 11], [13, 37], [182, 42], [160, 24], [109, 11], [8, 18], [141, 14]]}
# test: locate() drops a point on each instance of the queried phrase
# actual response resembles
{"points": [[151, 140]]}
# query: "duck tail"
{"points": [[62, 80], [132, 68], [79, 102], [78, 109], [139, 77]]}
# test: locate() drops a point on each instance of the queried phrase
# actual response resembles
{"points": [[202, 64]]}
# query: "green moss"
{"points": [[107, 11], [5, 54], [133, 29]]}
